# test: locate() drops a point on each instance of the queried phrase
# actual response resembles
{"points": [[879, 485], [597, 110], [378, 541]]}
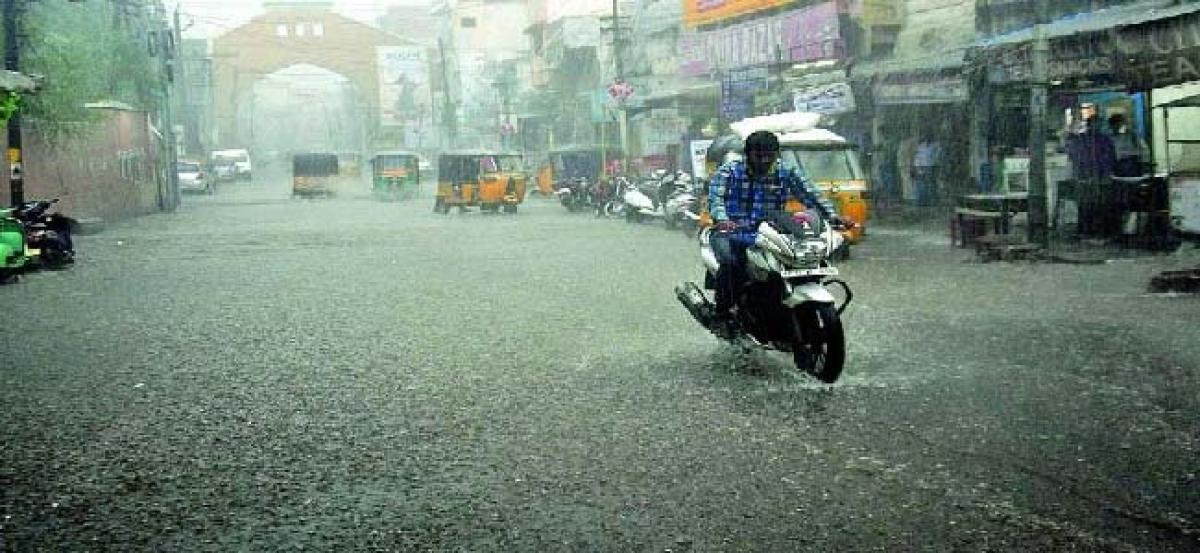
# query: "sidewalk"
{"points": [[935, 220]]}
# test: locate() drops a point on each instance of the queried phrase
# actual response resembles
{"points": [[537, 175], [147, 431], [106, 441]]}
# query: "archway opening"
{"points": [[304, 108]]}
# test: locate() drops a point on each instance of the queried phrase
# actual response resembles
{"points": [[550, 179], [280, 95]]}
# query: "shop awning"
{"points": [[950, 60], [1095, 21], [16, 82]]}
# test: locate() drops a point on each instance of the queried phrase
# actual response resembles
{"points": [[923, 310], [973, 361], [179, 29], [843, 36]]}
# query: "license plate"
{"points": [[820, 271]]}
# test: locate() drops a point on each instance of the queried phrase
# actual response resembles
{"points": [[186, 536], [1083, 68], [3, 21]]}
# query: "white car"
{"points": [[192, 177], [239, 157]]}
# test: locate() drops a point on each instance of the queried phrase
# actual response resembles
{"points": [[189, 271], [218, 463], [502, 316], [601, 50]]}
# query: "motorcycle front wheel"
{"points": [[819, 342]]}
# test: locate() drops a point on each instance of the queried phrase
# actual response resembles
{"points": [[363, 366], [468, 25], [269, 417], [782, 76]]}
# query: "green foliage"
{"points": [[10, 102], [85, 58]]}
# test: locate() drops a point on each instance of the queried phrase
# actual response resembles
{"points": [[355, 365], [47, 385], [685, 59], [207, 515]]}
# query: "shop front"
{"points": [[1100, 81], [917, 114]]}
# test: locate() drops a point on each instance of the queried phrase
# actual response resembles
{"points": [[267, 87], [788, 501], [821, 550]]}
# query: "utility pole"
{"points": [[1038, 92], [164, 36], [13, 15], [620, 70], [449, 117]]}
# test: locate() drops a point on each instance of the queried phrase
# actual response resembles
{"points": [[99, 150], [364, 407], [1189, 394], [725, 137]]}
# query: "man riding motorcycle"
{"points": [[740, 195]]}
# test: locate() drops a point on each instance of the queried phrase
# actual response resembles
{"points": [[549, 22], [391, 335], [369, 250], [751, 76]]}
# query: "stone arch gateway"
{"points": [[294, 34]]}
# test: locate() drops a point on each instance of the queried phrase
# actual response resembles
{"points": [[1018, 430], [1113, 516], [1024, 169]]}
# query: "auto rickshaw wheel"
{"points": [[439, 206], [510, 208]]}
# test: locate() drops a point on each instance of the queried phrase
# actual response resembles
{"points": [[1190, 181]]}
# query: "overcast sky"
{"points": [[208, 18]]}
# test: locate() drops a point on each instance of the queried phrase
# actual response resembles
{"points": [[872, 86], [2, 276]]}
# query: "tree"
{"points": [[84, 57]]}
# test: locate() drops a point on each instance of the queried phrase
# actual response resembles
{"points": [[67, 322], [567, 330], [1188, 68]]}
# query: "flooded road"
{"points": [[266, 373]]}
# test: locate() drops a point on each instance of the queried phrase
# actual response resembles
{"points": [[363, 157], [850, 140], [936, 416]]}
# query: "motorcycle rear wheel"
{"points": [[819, 342]]}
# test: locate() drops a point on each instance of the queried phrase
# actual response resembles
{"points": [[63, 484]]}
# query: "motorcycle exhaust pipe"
{"points": [[696, 302]]}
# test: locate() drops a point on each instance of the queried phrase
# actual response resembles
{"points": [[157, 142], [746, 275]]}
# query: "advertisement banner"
{"points": [[703, 12], [698, 151], [829, 99], [807, 34], [403, 87]]}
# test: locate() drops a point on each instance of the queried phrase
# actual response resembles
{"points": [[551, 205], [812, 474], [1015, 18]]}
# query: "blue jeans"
{"points": [[732, 257]]}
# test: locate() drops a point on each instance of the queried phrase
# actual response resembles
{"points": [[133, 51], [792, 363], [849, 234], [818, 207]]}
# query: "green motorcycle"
{"points": [[12, 246]]}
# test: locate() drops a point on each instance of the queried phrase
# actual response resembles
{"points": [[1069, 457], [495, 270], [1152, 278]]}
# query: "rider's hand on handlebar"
{"points": [[843, 223], [726, 226]]}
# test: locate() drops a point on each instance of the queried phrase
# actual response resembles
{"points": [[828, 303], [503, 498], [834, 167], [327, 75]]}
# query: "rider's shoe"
{"points": [[724, 324]]}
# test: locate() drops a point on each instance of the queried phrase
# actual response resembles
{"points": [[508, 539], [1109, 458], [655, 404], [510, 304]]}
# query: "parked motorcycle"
{"points": [[614, 205], [47, 235], [574, 194], [783, 303]]}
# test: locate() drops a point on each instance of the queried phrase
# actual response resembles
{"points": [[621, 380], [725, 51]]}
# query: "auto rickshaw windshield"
{"points": [[825, 164], [384, 163], [500, 164]]}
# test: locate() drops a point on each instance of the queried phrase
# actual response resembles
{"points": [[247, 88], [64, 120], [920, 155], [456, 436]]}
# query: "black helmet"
{"points": [[722, 146], [762, 141]]}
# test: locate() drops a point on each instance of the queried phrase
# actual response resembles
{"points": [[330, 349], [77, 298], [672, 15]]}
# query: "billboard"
{"points": [[807, 34], [703, 12], [403, 88]]}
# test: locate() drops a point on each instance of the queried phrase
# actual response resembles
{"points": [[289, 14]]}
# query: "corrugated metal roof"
{"points": [[17, 82]]}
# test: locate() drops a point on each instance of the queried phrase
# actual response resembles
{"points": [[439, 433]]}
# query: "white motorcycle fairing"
{"points": [[808, 292]]}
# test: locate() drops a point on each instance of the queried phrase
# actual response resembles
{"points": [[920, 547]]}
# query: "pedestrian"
{"points": [[905, 152], [926, 162], [1130, 150], [1092, 158]]}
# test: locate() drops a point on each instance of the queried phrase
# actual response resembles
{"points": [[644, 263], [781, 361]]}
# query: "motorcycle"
{"points": [[47, 235], [614, 206], [574, 194], [783, 303], [680, 203]]}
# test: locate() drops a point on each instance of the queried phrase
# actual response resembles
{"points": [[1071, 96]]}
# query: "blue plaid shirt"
{"points": [[734, 196]]}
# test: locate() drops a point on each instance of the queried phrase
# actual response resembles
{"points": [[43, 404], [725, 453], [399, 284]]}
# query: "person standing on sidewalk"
{"points": [[1092, 158], [925, 170]]}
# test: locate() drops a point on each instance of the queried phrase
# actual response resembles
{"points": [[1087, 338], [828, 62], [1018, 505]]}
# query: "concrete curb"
{"points": [[89, 225]]}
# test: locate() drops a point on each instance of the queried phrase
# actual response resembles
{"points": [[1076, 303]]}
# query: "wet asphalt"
{"points": [[257, 373]]}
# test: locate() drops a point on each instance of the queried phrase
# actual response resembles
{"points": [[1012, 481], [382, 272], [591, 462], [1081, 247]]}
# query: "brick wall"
{"points": [[108, 171]]}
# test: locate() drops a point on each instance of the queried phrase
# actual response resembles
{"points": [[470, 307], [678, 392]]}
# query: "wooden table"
{"points": [[1000, 206], [997, 208]]}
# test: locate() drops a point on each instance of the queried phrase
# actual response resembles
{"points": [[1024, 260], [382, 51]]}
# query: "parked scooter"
{"points": [[679, 203], [640, 206], [47, 235], [12, 246], [574, 194], [782, 303]]}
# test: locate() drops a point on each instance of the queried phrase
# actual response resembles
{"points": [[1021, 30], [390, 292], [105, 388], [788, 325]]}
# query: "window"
{"points": [[301, 29], [318, 29], [281, 30], [468, 22]]}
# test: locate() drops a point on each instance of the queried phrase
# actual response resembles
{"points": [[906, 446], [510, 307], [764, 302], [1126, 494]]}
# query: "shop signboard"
{"points": [[802, 35], [1142, 56], [703, 12], [698, 152], [1159, 53], [738, 89], [828, 99], [937, 91]]}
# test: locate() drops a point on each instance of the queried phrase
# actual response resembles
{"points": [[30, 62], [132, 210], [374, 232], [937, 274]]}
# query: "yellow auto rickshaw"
{"points": [[571, 162], [490, 180], [314, 174]]}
